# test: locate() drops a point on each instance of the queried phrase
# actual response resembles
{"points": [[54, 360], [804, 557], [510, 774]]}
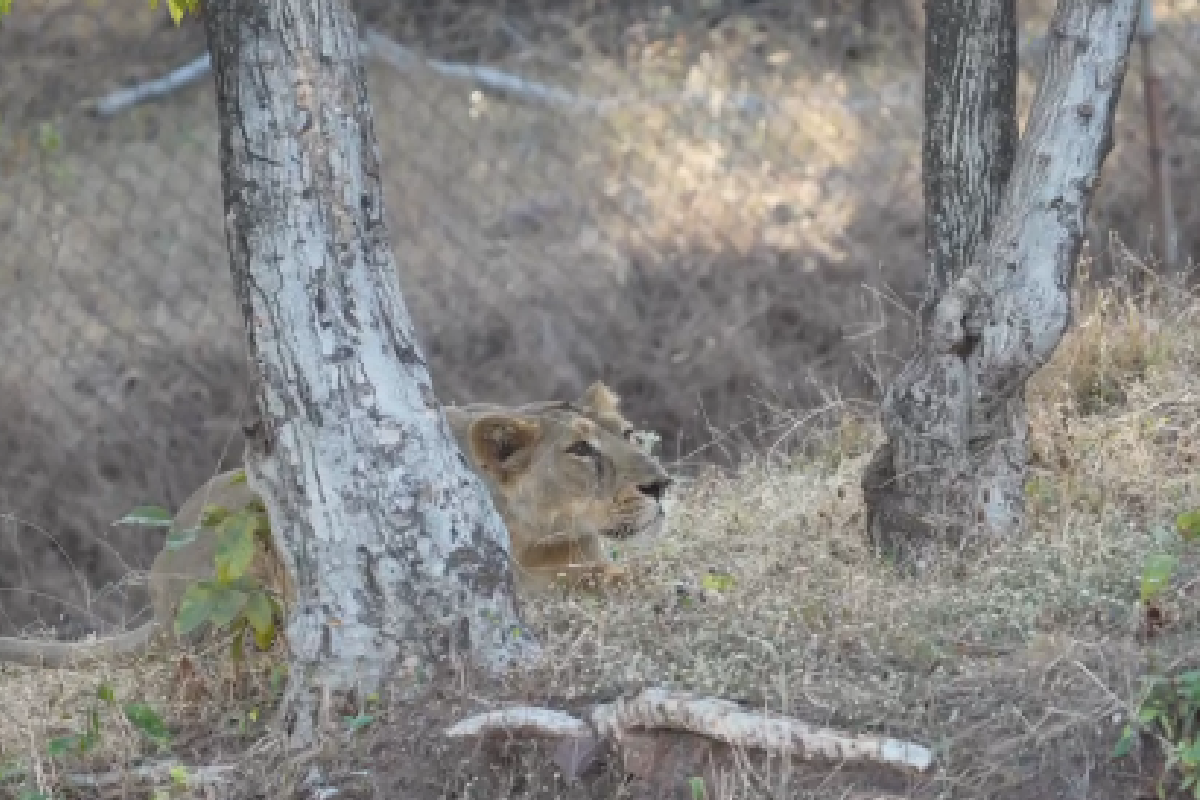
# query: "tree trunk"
{"points": [[953, 468], [969, 145], [970, 136], [399, 559]]}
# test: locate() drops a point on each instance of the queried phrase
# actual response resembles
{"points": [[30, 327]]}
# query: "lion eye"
{"points": [[582, 448]]}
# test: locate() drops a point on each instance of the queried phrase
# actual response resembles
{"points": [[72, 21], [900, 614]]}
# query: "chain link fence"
{"points": [[715, 206]]}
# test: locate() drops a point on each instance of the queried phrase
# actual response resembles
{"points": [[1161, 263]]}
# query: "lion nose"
{"points": [[656, 488]]}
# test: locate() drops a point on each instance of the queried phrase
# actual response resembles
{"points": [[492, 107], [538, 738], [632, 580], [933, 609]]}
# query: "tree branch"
{"points": [[1040, 227]]}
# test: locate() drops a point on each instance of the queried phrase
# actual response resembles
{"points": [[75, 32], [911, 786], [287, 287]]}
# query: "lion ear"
{"points": [[503, 445], [600, 399]]}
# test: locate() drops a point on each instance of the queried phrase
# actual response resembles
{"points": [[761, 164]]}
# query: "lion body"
{"points": [[563, 476]]}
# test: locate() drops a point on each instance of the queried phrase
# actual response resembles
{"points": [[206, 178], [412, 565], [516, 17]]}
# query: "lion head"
{"points": [[564, 476]]}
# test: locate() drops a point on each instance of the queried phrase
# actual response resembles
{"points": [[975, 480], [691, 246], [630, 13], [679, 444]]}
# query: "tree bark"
{"points": [[399, 559], [953, 467]]}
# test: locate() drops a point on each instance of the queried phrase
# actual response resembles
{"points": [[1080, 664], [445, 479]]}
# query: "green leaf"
{"points": [[259, 612], [278, 677], [1148, 714], [237, 478], [1156, 574], [1189, 686], [153, 516], [696, 784], [1188, 524], [105, 692], [180, 776], [212, 516], [195, 608], [1124, 745], [226, 605], [1189, 752], [61, 745], [235, 545], [244, 583], [717, 582], [5, 6], [359, 722], [177, 540], [146, 720], [49, 139], [265, 638]]}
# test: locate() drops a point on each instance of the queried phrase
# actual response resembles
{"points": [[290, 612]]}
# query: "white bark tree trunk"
{"points": [[953, 467], [398, 556]]}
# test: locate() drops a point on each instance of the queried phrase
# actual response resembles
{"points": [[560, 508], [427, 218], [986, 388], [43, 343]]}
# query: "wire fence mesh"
{"points": [[715, 206]]}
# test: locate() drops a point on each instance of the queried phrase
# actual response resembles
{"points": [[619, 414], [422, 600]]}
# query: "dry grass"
{"points": [[1016, 669]]}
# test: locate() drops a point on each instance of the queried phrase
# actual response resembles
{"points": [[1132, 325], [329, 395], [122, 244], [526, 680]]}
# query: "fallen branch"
{"points": [[519, 721], [116, 102], [403, 59], [376, 44], [668, 712], [725, 721], [158, 772]]}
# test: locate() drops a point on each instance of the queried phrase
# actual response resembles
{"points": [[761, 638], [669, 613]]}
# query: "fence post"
{"points": [[1152, 91]]}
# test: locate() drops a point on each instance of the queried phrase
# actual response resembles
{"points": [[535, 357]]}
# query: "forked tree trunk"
{"points": [[954, 464], [398, 556]]}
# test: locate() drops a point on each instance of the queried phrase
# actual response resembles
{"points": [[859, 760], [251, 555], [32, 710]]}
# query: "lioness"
{"points": [[562, 475]]}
